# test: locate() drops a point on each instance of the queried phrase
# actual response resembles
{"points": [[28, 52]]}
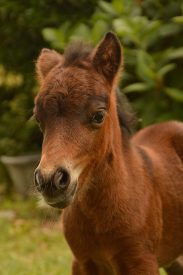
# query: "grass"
{"points": [[32, 243]]}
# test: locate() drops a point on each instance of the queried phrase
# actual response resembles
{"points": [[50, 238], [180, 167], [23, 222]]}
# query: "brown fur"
{"points": [[127, 213]]}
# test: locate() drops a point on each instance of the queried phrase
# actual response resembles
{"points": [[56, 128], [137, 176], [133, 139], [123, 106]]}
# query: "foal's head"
{"points": [[75, 107]]}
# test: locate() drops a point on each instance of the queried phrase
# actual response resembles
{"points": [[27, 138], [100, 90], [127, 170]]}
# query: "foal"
{"points": [[123, 197]]}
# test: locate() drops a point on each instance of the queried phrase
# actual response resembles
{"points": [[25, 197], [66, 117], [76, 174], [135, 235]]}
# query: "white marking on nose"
{"points": [[42, 203], [75, 171]]}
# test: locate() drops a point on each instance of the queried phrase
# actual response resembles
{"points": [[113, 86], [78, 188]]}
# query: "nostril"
{"points": [[38, 181], [61, 179]]}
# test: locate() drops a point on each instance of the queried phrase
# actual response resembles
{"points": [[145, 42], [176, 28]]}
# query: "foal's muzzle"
{"points": [[57, 182], [55, 188]]}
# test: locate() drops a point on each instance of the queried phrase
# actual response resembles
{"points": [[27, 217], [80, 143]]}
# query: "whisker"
{"points": [[32, 118]]}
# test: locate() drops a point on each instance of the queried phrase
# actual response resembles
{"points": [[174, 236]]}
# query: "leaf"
{"points": [[118, 6], [55, 36], [162, 272], [176, 53], [125, 30], [121, 27], [107, 7], [163, 57], [169, 29], [49, 34], [145, 66], [178, 19], [100, 15], [81, 31], [166, 69], [175, 94], [149, 34], [99, 28], [130, 57], [139, 87]]}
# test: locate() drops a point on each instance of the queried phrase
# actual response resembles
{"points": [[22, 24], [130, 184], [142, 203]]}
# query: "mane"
{"points": [[126, 116], [77, 52]]}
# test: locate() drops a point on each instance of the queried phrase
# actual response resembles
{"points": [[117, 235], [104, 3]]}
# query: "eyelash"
{"points": [[98, 117]]}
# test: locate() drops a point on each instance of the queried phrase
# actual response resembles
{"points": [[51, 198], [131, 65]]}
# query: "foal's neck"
{"points": [[106, 188]]}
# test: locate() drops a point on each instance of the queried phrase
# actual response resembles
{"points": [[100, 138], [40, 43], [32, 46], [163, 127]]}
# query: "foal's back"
{"points": [[162, 147]]}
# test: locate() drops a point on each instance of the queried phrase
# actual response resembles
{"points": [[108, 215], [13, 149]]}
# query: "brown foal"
{"points": [[123, 197]]}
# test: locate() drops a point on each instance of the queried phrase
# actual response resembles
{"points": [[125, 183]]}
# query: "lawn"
{"points": [[31, 241]]}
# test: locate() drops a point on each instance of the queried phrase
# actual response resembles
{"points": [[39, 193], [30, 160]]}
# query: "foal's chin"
{"points": [[62, 200], [60, 204]]}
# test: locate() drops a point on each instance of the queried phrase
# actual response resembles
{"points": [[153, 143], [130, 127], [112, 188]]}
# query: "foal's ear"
{"points": [[46, 61], [108, 56]]}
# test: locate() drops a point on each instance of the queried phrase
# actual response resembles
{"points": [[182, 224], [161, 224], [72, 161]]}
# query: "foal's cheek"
{"points": [[90, 140]]}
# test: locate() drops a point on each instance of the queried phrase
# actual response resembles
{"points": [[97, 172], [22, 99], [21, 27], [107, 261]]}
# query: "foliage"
{"points": [[152, 38], [151, 32], [21, 24], [18, 134]]}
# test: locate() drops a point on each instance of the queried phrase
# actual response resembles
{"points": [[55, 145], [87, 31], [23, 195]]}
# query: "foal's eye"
{"points": [[98, 117]]}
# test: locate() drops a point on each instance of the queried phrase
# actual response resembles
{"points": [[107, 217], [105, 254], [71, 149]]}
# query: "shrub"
{"points": [[21, 24], [151, 33]]}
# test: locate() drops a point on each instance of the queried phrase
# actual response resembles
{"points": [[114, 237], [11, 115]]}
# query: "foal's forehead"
{"points": [[74, 80], [71, 89]]}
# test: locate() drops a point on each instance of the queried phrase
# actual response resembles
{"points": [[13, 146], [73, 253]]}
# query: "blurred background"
{"points": [[151, 32]]}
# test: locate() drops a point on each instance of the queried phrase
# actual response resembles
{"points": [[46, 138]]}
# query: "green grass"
{"points": [[32, 243]]}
